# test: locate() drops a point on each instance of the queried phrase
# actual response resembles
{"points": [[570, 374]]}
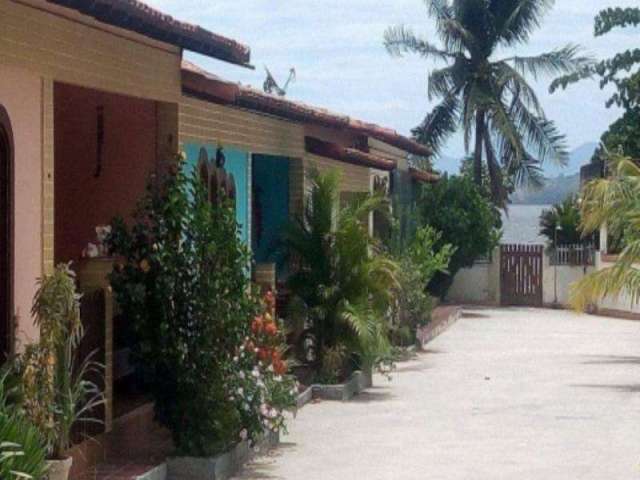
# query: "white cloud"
{"points": [[336, 48]]}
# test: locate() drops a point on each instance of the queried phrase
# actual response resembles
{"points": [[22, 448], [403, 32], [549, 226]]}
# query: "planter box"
{"points": [[220, 467], [357, 383]]}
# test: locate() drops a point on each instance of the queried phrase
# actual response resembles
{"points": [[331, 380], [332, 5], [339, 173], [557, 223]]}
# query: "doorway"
{"points": [[6, 229]]}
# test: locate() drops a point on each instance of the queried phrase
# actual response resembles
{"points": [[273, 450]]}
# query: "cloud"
{"points": [[336, 48]]}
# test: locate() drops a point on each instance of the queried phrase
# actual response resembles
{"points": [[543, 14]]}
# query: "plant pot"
{"points": [[59, 469]]}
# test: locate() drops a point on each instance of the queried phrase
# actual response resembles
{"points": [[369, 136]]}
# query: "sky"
{"points": [[336, 47]]}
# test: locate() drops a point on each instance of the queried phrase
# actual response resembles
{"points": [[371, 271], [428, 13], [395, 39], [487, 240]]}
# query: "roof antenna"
{"points": [[271, 86]]}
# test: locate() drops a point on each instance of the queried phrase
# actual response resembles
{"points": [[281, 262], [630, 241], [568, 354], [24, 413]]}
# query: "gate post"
{"points": [[494, 277]]}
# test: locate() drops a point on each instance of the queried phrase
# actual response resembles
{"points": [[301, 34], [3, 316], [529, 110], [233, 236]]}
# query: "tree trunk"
{"points": [[477, 156]]}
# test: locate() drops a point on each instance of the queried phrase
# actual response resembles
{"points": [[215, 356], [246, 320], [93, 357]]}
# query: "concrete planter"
{"points": [[357, 383], [59, 469], [222, 466]]}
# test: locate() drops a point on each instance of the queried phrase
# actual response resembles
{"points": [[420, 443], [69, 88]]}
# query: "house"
{"points": [[96, 96]]}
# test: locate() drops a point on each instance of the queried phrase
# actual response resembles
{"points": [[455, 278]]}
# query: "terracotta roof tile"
{"points": [[139, 17], [254, 99]]}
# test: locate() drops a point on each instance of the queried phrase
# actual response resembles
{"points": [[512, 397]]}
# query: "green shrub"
{"points": [[419, 261], [22, 447], [466, 219], [184, 287]]}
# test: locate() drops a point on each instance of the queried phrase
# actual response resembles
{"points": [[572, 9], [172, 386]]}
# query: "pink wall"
{"points": [[82, 200], [21, 95]]}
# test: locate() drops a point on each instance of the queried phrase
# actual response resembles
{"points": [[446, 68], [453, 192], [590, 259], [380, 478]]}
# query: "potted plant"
{"points": [[57, 393]]}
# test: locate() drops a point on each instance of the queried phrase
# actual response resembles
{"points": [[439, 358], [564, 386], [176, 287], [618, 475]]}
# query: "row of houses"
{"points": [[95, 96]]}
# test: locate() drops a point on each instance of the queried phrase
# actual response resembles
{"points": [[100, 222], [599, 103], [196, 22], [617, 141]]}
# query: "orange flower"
{"points": [[276, 356], [257, 325], [271, 329], [280, 367], [264, 354]]}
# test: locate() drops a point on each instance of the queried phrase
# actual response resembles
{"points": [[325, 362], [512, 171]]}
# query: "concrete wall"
{"points": [[21, 96], [559, 280], [480, 284], [615, 305]]}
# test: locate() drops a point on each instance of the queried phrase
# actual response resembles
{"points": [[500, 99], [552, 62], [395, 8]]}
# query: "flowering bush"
{"points": [[261, 386], [182, 284]]}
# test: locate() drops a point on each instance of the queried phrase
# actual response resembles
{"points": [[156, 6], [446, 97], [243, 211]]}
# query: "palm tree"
{"points": [[615, 202], [486, 96], [565, 215], [343, 278]]}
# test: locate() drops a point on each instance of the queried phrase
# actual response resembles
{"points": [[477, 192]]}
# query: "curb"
{"points": [[220, 467], [357, 383], [426, 334]]}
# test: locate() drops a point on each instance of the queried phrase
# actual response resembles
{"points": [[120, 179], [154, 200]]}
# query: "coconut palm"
{"points": [[615, 202], [488, 96]]}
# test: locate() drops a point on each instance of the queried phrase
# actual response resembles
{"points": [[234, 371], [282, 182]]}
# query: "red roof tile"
{"points": [[294, 110], [139, 17], [347, 155], [423, 176]]}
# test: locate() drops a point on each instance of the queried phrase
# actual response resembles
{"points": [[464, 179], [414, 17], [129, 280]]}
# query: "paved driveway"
{"points": [[504, 394]]}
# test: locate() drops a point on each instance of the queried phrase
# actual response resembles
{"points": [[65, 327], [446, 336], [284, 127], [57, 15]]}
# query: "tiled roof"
{"points": [[347, 155], [423, 176], [139, 17], [200, 82]]}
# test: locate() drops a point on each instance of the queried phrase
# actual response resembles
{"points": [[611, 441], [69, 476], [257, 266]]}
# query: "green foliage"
{"points": [[465, 219], [57, 391], [615, 202], [343, 277], [621, 138], [423, 258], [22, 448], [184, 287], [621, 70], [566, 215], [489, 97]]}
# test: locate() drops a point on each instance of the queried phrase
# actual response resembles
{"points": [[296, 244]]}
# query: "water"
{"points": [[522, 224]]}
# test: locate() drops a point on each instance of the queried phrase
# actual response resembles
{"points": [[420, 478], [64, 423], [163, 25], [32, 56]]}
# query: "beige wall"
{"points": [[354, 178], [21, 95], [208, 122], [66, 46]]}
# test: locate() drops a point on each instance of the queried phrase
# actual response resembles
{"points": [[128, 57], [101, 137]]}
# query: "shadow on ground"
{"points": [[263, 467], [631, 388], [374, 394], [611, 360]]}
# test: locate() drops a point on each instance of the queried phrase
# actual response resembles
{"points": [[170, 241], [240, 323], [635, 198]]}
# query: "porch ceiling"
{"points": [[139, 17]]}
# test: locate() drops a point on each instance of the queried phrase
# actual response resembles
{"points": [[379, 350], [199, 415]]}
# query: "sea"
{"points": [[521, 224]]}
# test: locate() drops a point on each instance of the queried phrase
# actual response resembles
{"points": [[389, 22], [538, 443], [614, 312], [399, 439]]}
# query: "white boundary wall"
{"points": [[480, 284]]}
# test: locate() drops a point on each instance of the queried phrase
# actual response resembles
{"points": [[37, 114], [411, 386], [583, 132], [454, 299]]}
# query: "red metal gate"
{"points": [[521, 275]]}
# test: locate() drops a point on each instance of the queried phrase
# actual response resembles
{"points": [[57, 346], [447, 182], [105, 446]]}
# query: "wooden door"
{"points": [[6, 231], [521, 275]]}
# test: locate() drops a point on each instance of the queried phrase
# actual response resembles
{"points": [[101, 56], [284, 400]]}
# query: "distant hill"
{"points": [[562, 181], [577, 157], [555, 190]]}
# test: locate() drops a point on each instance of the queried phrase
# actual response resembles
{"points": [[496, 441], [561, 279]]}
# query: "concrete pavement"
{"points": [[503, 394]]}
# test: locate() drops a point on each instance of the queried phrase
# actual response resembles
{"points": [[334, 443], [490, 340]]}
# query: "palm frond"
{"points": [[516, 20], [439, 124], [562, 61], [399, 40]]}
